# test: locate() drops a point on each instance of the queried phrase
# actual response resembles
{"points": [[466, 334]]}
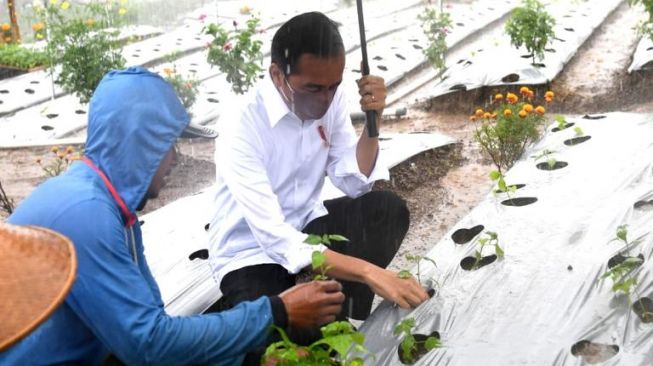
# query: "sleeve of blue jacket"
{"points": [[113, 299]]}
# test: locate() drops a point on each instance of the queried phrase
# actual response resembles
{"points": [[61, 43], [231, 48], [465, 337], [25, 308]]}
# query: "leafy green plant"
{"points": [[409, 344], [546, 155], [186, 88], [502, 186], [489, 238], [578, 131], [339, 341], [416, 259], [561, 121], [236, 53], [645, 27], [60, 161], [505, 128], [436, 26], [532, 27], [21, 57], [318, 259], [81, 43]]}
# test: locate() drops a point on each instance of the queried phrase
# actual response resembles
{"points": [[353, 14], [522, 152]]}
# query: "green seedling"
{"points": [[502, 187], [622, 275], [490, 238], [578, 131], [622, 235], [339, 341], [409, 344], [547, 155], [318, 259], [415, 259], [561, 121]]}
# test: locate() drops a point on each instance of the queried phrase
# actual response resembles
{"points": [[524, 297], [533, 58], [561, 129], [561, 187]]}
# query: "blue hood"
{"points": [[134, 118]]}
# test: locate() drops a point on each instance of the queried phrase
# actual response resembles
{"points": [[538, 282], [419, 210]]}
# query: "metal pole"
{"points": [[372, 130]]}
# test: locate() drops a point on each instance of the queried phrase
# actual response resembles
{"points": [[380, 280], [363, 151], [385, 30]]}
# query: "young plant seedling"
{"points": [[622, 275], [489, 238], [502, 187], [561, 121], [318, 259], [578, 131], [415, 259], [339, 340], [547, 155], [409, 345]]}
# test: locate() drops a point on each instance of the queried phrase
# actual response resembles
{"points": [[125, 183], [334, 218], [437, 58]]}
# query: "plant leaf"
{"points": [[336, 237], [432, 343]]}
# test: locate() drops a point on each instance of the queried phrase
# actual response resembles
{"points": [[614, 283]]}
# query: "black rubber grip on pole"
{"points": [[372, 130]]}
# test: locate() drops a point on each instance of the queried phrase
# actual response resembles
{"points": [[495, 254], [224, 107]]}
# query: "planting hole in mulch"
{"points": [[29, 91], [469, 263], [577, 140], [460, 24], [79, 111], [643, 205], [414, 40], [4, 91], [650, 49], [556, 166], [510, 78], [52, 115], [460, 87], [550, 50], [618, 259], [206, 227], [567, 125], [569, 29], [382, 68], [539, 65], [559, 39], [377, 58], [464, 235], [47, 128], [594, 353], [156, 50], [527, 56], [400, 56], [212, 100], [34, 82], [643, 307], [136, 55], [419, 351], [519, 201], [201, 254], [355, 71], [467, 63], [418, 47], [598, 116], [192, 70]]}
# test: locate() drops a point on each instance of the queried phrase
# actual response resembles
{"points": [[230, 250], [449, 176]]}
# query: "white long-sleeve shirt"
{"points": [[270, 169]]}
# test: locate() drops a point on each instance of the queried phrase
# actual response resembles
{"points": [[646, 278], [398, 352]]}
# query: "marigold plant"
{"points": [[186, 88], [508, 125], [60, 160]]}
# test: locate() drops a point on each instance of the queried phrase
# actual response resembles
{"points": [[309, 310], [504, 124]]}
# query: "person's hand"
{"points": [[405, 292], [373, 92], [312, 304]]}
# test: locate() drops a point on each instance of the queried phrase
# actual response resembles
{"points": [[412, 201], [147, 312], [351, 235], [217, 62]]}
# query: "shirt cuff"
{"points": [[348, 166], [279, 313]]}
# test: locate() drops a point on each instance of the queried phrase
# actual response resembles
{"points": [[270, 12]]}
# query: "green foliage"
{"points": [[578, 131], [561, 121], [489, 238], [645, 28], [81, 43], [502, 186], [21, 57], [409, 345], [532, 27], [339, 340], [622, 276], [236, 53], [417, 259], [507, 126], [436, 27], [318, 259], [186, 88], [546, 155]]}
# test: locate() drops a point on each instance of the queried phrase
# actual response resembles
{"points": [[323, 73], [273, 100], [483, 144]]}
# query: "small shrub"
{"points": [[63, 157], [532, 27], [21, 57], [186, 88], [645, 28], [436, 26]]}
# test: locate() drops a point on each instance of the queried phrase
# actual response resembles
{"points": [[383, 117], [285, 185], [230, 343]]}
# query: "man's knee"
{"points": [[390, 207]]}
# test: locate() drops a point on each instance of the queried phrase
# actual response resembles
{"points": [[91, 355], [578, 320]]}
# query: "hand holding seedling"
{"points": [[405, 292], [312, 304]]}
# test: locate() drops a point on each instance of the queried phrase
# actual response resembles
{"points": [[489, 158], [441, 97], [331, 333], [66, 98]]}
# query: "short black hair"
{"points": [[312, 33]]}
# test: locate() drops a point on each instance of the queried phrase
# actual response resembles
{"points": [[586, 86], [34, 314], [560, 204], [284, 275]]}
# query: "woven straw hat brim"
{"points": [[37, 269]]}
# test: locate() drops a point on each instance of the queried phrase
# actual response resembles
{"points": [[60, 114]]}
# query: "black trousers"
{"points": [[375, 224]]}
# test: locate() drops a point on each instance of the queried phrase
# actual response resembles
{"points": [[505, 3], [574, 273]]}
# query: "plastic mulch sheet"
{"points": [[643, 57], [545, 303]]}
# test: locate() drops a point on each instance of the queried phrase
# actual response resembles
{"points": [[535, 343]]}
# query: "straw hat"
{"points": [[37, 269]]}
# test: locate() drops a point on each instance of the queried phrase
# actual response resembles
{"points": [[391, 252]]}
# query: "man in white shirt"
{"points": [[271, 160]]}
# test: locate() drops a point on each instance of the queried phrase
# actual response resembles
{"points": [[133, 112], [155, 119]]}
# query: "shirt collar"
{"points": [[275, 106]]}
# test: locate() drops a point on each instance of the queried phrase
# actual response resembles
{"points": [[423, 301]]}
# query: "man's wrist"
{"points": [[279, 312]]}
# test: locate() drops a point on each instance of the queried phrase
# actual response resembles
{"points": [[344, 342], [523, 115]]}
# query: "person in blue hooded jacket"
{"points": [[115, 306]]}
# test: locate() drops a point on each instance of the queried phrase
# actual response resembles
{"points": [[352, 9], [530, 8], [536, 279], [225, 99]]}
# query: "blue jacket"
{"points": [[115, 305]]}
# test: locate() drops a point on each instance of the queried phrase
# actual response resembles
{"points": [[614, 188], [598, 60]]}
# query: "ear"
{"points": [[276, 74]]}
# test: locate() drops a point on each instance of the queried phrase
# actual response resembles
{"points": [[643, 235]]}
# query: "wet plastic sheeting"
{"points": [[172, 233], [546, 295], [643, 57]]}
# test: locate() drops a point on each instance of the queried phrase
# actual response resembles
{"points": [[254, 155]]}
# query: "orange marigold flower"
{"points": [[523, 113], [479, 113], [540, 110], [69, 150], [472, 118], [512, 98], [168, 71], [548, 100], [528, 108], [38, 161], [61, 155], [494, 115], [8, 39], [37, 27], [90, 22], [54, 149], [6, 27], [524, 90], [498, 97], [487, 115], [549, 94], [530, 94], [507, 112]]}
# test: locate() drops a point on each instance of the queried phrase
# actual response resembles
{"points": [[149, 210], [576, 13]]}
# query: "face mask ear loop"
{"points": [[292, 94]]}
